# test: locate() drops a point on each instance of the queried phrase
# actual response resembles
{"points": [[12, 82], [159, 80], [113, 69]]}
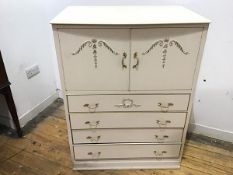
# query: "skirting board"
{"points": [[211, 132], [25, 118]]}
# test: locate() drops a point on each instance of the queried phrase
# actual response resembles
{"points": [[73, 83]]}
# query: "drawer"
{"points": [[127, 120], [124, 151], [101, 103], [126, 135]]}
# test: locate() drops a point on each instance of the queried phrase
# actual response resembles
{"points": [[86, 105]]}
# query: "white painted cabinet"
{"points": [[128, 77]]}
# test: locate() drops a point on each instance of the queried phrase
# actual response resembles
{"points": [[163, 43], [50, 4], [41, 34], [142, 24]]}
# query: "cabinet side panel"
{"points": [[57, 46], [200, 54]]}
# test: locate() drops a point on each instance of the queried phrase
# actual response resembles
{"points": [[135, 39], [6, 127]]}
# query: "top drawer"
{"points": [[101, 103]]}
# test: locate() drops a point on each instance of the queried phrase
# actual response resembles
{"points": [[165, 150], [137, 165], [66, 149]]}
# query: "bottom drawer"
{"points": [[124, 151]]}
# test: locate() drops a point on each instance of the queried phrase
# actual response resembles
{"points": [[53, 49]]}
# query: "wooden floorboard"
{"points": [[44, 150]]}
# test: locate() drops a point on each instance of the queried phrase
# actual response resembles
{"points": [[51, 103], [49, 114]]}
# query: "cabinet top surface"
{"points": [[127, 15]]}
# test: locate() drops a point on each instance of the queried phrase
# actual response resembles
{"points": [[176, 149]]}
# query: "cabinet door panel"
{"points": [[93, 59], [164, 58]]}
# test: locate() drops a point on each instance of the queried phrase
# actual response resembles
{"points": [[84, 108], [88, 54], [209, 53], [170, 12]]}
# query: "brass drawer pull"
{"points": [[135, 56], [161, 138], [159, 154], [165, 107], [93, 139], [92, 124], [91, 107], [124, 66], [94, 155], [163, 123], [127, 103]]}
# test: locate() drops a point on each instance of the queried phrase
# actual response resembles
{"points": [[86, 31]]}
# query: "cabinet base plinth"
{"points": [[126, 164]]}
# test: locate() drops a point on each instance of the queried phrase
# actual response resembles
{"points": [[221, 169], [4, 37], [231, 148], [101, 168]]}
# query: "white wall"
{"points": [[213, 108], [25, 39]]}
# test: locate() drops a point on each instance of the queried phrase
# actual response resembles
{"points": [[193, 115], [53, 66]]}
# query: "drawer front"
{"points": [[101, 103], [126, 135], [125, 151], [127, 120]]}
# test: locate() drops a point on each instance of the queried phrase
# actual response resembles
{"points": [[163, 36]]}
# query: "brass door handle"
{"points": [[159, 153], [92, 124], [135, 56], [93, 139], [165, 107], [159, 138], [163, 123], [91, 107], [94, 155], [124, 66]]}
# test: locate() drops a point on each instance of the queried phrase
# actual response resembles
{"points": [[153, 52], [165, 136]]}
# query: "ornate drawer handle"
{"points": [[161, 138], [124, 66], [165, 107], [93, 139], [91, 107], [135, 56], [160, 154], [94, 155], [92, 125], [127, 103], [163, 123]]}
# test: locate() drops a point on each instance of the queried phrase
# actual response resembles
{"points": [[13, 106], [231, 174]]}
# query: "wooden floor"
{"points": [[45, 150]]}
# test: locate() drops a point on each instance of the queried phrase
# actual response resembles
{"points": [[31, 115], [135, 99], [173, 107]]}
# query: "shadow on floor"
{"points": [[4, 130]]}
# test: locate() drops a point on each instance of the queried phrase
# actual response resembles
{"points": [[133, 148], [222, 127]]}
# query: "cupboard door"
{"points": [[164, 58], [95, 59]]}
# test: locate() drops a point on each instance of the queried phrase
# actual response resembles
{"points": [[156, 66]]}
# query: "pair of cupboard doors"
{"points": [[125, 59]]}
